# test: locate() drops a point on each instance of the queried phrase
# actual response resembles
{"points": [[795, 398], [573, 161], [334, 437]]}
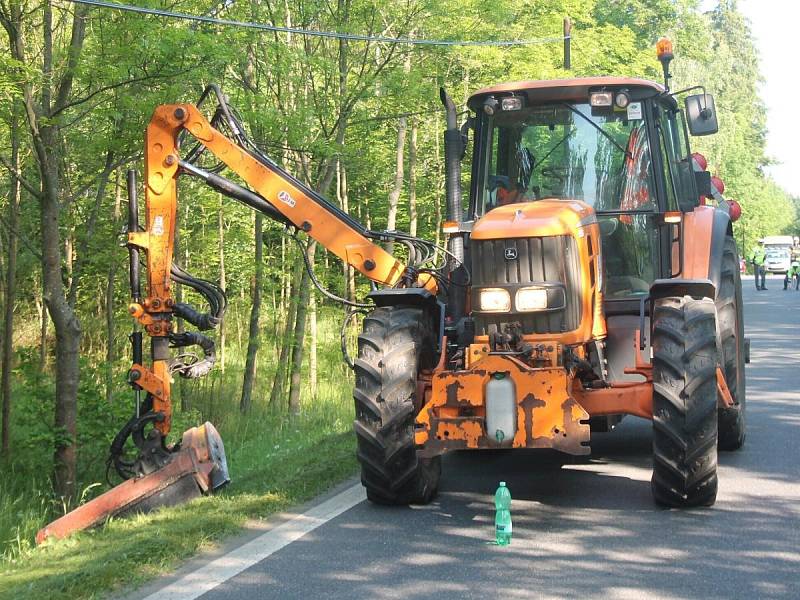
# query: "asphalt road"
{"points": [[582, 527]]}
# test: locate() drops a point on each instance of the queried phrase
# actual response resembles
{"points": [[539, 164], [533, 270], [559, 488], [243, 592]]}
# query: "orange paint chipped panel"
{"points": [[547, 417]]}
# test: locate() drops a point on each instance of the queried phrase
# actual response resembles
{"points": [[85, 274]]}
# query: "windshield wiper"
{"points": [[539, 162], [600, 129]]}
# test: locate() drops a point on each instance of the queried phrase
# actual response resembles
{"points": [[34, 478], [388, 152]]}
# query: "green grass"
{"points": [[275, 461], [127, 552]]}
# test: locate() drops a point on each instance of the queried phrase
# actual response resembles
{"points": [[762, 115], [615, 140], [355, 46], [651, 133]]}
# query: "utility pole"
{"points": [[567, 41]]}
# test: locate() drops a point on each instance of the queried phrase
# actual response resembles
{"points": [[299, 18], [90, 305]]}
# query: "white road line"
{"points": [[220, 570]]}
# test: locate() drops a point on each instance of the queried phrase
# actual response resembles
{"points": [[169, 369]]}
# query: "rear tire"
{"points": [[731, 327], [684, 344], [395, 343]]}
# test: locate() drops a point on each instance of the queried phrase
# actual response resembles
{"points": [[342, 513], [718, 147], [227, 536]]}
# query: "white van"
{"points": [[779, 252], [779, 259]]}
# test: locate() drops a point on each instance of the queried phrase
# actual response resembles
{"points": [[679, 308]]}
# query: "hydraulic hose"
{"points": [[203, 321], [202, 366], [318, 285]]}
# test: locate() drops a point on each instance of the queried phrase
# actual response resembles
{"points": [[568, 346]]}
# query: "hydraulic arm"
{"points": [[197, 463], [277, 194]]}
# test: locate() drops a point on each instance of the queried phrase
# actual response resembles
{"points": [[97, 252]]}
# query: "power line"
{"points": [[311, 32]]}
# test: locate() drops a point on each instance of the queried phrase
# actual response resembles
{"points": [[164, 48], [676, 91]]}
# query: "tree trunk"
{"points": [[312, 330], [10, 287], [412, 181], [279, 383], [343, 205], [285, 277], [43, 319], [255, 311], [109, 304], [65, 322], [394, 195], [41, 105], [344, 202], [69, 258], [299, 338]]}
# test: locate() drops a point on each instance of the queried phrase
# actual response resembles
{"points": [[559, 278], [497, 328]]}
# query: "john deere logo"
{"points": [[511, 253]]}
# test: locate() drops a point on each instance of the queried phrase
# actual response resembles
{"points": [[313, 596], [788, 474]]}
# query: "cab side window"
{"points": [[677, 163]]}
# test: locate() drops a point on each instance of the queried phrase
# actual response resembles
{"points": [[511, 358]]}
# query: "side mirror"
{"points": [[701, 114]]}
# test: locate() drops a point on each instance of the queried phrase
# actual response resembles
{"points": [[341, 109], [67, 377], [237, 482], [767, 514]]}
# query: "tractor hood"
{"points": [[536, 218]]}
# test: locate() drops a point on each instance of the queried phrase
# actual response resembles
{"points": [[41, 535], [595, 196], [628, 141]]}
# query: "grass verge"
{"points": [[127, 552], [276, 461]]}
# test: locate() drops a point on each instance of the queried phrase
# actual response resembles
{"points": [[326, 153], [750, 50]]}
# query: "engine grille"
{"points": [[552, 259]]}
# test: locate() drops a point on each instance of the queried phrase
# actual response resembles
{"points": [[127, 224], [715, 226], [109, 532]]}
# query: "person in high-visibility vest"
{"points": [[757, 257], [793, 273]]}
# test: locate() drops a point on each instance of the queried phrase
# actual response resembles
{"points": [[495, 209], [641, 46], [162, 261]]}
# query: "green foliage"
{"points": [[308, 103], [274, 459]]}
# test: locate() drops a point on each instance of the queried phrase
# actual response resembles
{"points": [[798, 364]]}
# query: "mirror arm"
{"points": [[689, 89]]}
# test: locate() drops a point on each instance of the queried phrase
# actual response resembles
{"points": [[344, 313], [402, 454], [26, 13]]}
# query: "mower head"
{"points": [[195, 467]]}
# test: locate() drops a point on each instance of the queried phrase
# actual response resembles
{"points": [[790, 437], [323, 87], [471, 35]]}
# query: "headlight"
{"points": [[495, 300], [529, 299]]}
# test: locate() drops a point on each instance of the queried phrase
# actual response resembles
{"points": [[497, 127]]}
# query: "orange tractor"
{"points": [[584, 279]]}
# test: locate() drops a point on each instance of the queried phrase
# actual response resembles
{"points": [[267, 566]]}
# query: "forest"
{"points": [[356, 118]]}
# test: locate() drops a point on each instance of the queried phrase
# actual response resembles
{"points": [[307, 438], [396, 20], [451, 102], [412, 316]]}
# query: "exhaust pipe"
{"points": [[454, 146], [453, 151]]}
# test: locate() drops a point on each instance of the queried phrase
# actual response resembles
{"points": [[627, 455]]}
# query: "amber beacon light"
{"points": [[664, 53], [664, 49]]}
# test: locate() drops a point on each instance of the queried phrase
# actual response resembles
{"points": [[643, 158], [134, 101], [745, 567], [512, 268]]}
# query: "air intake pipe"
{"points": [[453, 152]]}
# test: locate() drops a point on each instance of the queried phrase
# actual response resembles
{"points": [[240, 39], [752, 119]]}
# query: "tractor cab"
{"points": [[618, 145]]}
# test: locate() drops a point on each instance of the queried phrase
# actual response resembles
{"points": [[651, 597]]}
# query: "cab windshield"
{"points": [[571, 152]]}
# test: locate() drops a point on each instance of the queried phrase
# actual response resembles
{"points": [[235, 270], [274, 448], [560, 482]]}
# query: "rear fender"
{"points": [[696, 288], [704, 233]]}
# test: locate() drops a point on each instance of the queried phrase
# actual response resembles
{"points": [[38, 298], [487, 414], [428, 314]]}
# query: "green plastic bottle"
{"points": [[502, 517]]}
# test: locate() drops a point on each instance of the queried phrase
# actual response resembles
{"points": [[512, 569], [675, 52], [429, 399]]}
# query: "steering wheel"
{"points": [[608, 226], [557, 173]]}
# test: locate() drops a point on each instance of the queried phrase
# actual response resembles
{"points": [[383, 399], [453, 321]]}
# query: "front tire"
{"points": [[731, 420], [684, 344], [395, 344]]}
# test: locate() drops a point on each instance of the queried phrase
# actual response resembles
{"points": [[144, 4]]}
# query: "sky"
{"points": [[774, 24]]}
